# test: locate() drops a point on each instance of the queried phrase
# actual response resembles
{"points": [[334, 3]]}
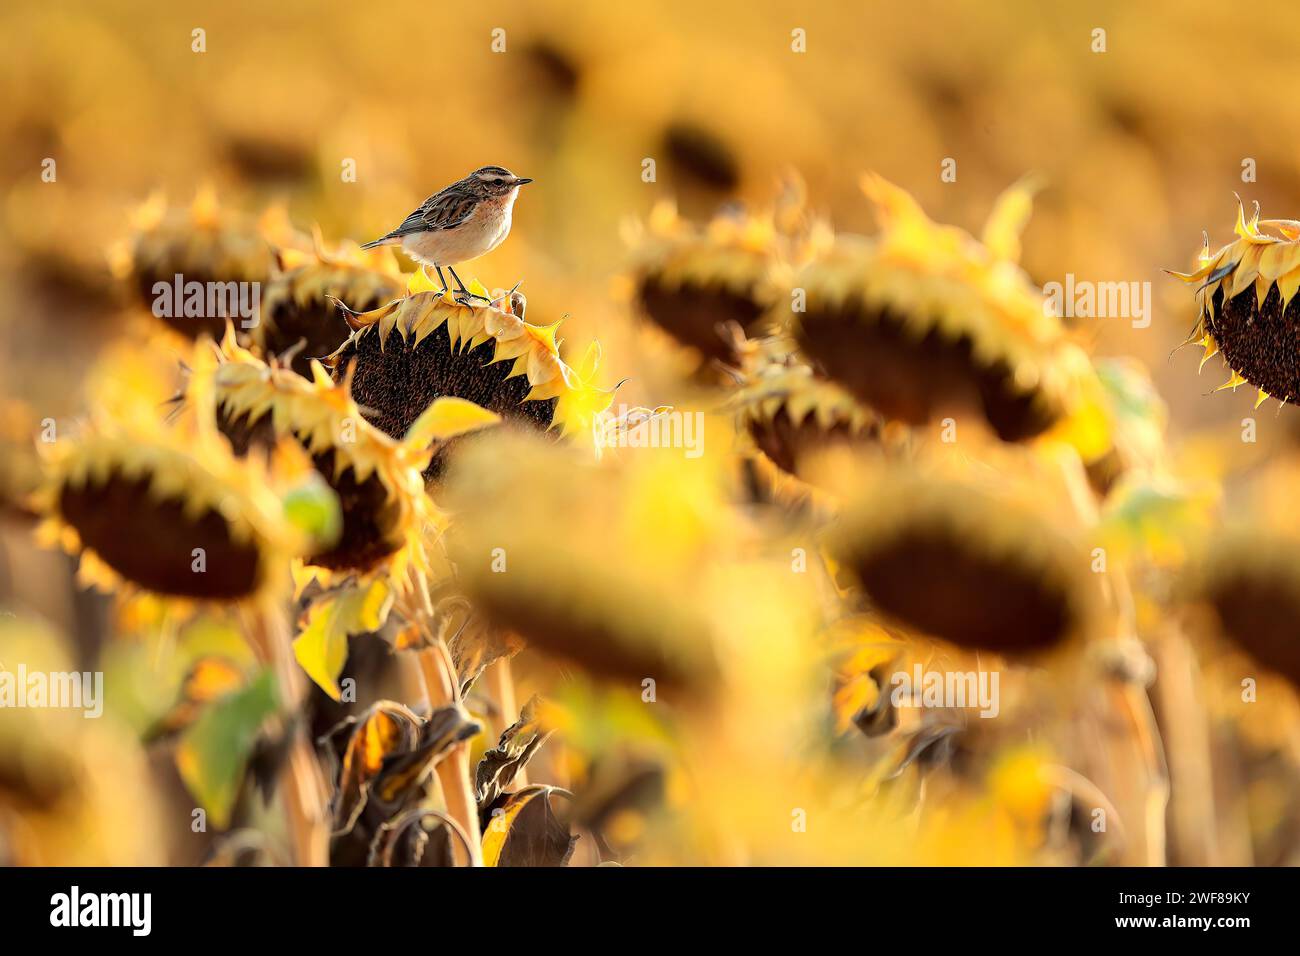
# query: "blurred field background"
{"points": [[1139, 149]]}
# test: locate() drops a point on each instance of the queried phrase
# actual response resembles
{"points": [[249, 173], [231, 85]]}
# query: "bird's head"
{"points": [[497, 180]]}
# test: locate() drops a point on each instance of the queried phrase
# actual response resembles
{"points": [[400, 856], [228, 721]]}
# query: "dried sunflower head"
{"points": [[203, 245], [923, 318], [1249, 576], [967, 561], [698, 283], [169, 511], [1244, 570], [58, 239], [486, 355], [385, 511], [300, 309], [789, 412], [1245, 293], [593, 565]]}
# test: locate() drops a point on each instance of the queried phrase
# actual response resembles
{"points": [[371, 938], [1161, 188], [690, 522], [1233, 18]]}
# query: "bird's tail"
{"points": [[385, 241]]}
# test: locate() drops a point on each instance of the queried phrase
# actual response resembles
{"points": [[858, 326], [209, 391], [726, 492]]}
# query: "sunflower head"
{"points": [[411, 352], [593, 564], [698, 283], [790, 413], [966, 561], [923, 318], [202, 244], [1248, 575], [1251, 580], [168, 510], [1246, 297], [300, 308], [385, 511]]}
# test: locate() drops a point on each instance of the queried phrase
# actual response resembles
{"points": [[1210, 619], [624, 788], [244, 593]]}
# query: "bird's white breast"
{"points": [[478, 235]]}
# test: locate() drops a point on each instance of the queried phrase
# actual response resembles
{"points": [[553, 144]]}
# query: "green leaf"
{"points": [[313, 508], [214, 750], [322, 647]]}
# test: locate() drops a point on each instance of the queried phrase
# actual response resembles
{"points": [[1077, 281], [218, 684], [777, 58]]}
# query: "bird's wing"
{"points": [[444, 210]]}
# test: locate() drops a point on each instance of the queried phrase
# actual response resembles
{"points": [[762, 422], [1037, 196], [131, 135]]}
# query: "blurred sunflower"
{"points": [[974, 562], [553, 566], [300, 311], [1244, 570], [701, 285], [168, 510], [790, 414], [1250, 577], [923, 318], [73, 792], [202, 244]]}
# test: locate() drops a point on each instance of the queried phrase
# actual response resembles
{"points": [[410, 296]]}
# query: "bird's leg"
{"points": [[464, 293], [442, 279]]}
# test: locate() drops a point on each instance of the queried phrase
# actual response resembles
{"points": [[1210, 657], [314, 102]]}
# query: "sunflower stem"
{"points": [[302, 785], [500, 685], [443, 689]]}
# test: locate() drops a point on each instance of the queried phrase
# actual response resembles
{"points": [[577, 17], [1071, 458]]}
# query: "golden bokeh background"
{"points": [[1137, 150]]}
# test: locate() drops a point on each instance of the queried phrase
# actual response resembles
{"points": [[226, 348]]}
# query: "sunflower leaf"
{"points": [[322, 647], [214, 750], [523, 830], [499, 766]]}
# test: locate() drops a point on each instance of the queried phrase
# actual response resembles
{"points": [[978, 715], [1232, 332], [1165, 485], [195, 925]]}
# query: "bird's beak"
{"points": [[522, 181]]}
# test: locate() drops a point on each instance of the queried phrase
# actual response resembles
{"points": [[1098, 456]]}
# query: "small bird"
{"points": [[468, 219]]}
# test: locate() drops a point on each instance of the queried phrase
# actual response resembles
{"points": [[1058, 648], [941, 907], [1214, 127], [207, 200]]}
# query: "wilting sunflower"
{"points": [[923, 318], [1246, 294], [300, 309], [385, 511], [1250, 578], [204, 245], [487, 355], [790, 413], [967, 562], [169, 511], [698, 284], [565, 561]]}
